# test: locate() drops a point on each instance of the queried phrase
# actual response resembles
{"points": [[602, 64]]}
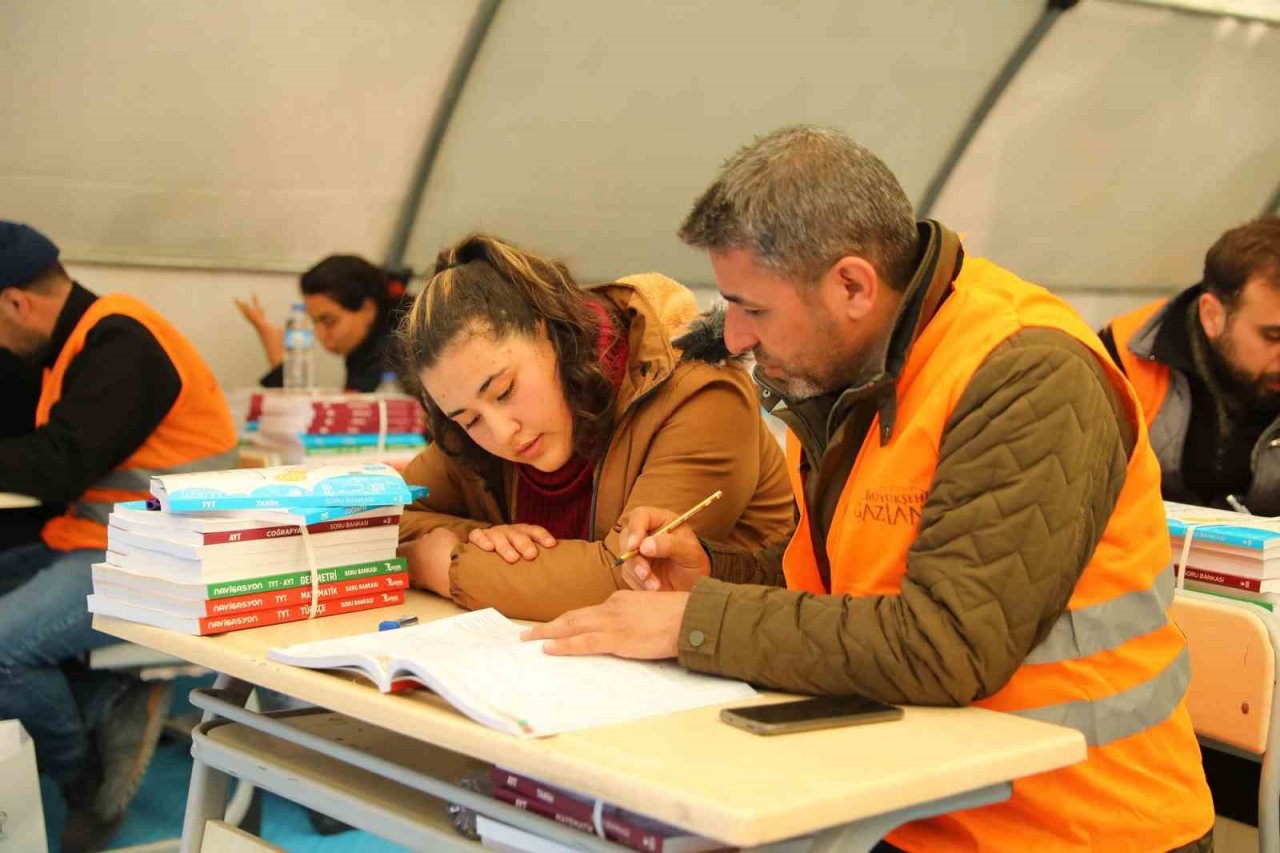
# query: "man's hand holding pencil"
{"points": [[661, 552]]}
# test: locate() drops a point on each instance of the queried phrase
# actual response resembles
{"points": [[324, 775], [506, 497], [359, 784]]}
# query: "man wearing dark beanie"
{"points": [[123, 396]]}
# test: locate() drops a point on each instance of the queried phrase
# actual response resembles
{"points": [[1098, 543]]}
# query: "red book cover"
{"points": [[572, 810], [302, 595], [284, 531], [295, 612], [1224, 580]]}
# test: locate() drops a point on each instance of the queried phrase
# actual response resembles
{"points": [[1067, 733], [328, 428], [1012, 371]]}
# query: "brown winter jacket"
{"points": [[982, 585], [683, 427]]}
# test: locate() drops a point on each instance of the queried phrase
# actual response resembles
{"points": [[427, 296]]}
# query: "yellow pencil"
{"points": [[672, 525]]}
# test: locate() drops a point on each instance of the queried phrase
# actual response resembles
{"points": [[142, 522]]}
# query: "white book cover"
{"points": [[135, 515], [286, 486], [478, 662], [192, 571], [245, 581], [281, 543]]}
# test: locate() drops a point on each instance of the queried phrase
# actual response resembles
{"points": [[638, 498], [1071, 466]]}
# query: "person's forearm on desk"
{"points": [[429, 558]]}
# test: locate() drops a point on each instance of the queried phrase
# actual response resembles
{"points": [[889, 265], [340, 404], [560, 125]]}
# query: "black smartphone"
{"points": [[808, 714]]}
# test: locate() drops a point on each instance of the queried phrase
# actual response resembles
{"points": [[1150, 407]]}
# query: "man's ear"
{"points": [[15, 302], [1213, 316], [851, 286]]}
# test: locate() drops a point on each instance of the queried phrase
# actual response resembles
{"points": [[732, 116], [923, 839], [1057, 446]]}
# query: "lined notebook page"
{"points": [[478, 659]]}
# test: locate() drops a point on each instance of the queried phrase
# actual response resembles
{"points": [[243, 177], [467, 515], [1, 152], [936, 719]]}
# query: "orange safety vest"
{"points": [[197, 434], [1113, 666], [1149, 378]]}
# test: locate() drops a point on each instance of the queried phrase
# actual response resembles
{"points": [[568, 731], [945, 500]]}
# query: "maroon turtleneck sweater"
{"points": [[560, 500]]}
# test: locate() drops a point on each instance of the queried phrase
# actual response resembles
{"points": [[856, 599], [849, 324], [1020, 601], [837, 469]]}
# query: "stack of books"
{"points": [[579, 812], [226, 550], [1231, 554], [336, 426]]}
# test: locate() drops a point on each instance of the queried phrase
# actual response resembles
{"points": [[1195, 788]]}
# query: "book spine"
{"points": [[360, 440], [615, 830], [285, 531], [288, 580], [388, 497], [570, 810], [1234, 537], [302, 594], [1225, 592], [529, 804], [1224, 580], [296, 612]]}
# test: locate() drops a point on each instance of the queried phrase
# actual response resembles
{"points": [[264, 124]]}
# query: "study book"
{"points": [[247, 582], [326, 484], [240, 621], [198, 608], [579, 811], [215, 528], [1223, 527], [166, 565], [478, 663], [262, 543]]}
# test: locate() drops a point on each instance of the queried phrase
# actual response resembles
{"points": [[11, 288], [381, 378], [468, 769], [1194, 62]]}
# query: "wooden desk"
{"points": [[687, 768], [12, 500]]}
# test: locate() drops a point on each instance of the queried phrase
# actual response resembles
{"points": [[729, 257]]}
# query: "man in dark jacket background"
{"points": [[119, 384], [1206, 365]]}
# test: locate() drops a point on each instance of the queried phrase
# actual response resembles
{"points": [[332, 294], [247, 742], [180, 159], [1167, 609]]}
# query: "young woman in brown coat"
{"points": [[553, 408]]}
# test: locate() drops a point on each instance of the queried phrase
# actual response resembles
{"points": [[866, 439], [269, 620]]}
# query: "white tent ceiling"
{"points": [[255, 135]]}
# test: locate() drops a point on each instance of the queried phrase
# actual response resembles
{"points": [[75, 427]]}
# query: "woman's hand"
{"points": [[429, 559], [512, 542], [272, 336]]}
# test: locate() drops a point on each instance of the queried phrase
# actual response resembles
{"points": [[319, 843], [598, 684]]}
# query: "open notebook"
{"points": [[479, 664]]}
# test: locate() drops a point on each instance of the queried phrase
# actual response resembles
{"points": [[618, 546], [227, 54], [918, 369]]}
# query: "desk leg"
{"points": [[207, 793], [863, 835]]}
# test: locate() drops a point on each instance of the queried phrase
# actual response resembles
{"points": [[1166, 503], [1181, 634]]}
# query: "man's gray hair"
{"points": [[801, 198]]}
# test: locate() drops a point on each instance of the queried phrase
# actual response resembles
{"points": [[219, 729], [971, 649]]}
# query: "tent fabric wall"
{"points": [[259, 137], [1132, 138], [229, 134], [587, 128]]}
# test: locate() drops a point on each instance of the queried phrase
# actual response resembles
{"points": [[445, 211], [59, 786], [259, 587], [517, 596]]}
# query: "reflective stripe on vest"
{"points": [[137, 482], [1108, 625], [1122, 714], [139, 479]]}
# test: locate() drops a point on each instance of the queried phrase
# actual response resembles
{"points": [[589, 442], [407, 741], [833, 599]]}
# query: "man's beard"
{"points": [[1261, 392], [798, 386]]}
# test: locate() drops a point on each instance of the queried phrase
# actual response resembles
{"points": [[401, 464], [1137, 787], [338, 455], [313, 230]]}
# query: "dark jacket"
{"points": [[1211, 440], [114, 396], [377, 354]]}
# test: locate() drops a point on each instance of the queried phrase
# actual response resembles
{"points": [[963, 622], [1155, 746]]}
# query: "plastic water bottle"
{"points": [[299, 350], [389, 383]]}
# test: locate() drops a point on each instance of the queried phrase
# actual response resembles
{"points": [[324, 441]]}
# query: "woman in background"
{"points": [[553, 409], [355, 308]]}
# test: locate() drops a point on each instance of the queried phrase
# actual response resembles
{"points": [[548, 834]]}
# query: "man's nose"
{"points": [[738, 336]]}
